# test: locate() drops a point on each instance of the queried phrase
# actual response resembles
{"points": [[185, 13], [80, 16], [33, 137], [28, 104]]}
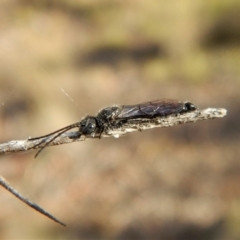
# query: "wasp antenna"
{"points": [[60, 132]]}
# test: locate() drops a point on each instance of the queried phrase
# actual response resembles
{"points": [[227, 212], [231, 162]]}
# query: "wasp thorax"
{"points": [[108, 113]]}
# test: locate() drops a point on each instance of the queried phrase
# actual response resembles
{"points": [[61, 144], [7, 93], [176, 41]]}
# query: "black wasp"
{"points": [[117, 115]]}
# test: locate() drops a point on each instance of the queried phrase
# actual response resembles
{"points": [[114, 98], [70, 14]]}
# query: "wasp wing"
{"points": [[151, 109]]}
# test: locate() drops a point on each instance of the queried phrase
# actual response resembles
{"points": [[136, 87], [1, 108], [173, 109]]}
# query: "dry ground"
{"points": [[178, 183]]}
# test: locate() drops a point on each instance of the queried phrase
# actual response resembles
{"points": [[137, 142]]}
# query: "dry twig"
{"points": [[15, 146], [115, 131]]}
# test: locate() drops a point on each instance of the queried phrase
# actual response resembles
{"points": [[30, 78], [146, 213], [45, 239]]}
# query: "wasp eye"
{"points": [[88, 125]]}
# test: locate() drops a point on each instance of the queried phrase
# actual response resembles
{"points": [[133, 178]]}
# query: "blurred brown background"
{"points": [[174, 183]]}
